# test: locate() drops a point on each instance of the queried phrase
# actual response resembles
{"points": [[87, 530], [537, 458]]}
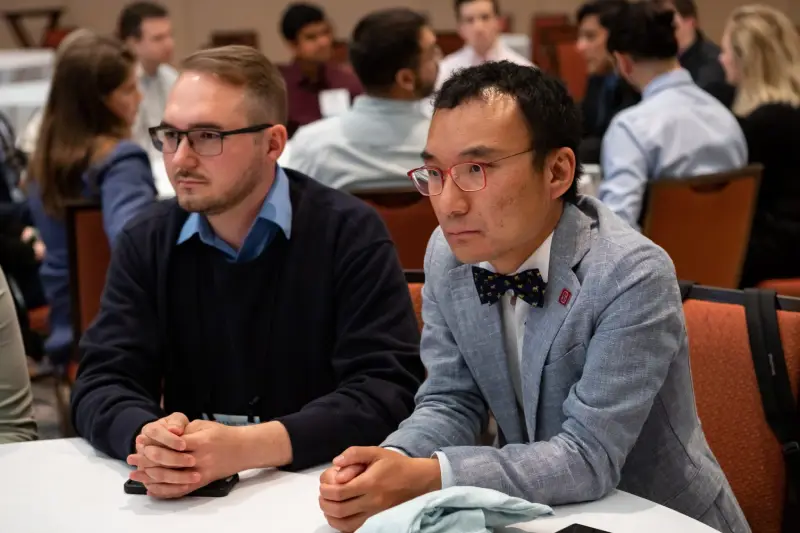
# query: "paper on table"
{"points": [[334, 102]]}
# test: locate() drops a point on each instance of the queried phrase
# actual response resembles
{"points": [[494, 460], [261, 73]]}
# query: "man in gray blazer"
{"points": [[544, 309]]}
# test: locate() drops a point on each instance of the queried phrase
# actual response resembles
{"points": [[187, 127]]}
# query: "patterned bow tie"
{"points": [[528, 286]]}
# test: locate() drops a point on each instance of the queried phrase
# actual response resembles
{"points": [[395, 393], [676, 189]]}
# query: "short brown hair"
{"points": [[243, 66]]}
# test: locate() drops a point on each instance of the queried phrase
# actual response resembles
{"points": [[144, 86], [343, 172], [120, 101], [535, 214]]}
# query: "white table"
{"points": [[19, 101], [160, 176], [16, 65], [589, 181], [65, 486]]}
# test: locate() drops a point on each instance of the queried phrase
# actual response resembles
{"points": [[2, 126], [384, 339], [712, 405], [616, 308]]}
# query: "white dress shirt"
{"points": [[155, 90], [468, 57], [513, 316]]}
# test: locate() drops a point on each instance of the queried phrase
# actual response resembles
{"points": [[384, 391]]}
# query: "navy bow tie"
{"points": [[528, 286]]}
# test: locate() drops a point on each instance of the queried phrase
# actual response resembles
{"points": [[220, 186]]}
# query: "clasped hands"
{"points": [[175, 457], [366, 481]]}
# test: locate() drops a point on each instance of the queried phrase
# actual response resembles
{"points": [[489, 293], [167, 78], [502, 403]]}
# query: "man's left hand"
{"points": [[390, 479], [216, 453]]}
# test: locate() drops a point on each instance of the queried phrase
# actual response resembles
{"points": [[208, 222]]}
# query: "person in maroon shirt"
{"points": [[310, 37]]}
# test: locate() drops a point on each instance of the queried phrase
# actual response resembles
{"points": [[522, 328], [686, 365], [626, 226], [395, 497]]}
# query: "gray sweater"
{"points": [[16, 401]]}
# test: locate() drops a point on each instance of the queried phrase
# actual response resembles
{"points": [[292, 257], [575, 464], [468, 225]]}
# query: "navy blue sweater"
{"points": [[318, 332]]}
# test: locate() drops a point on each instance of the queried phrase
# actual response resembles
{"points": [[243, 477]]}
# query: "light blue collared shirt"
{"points": [[373, 144], [677, 130], [276, 213]]}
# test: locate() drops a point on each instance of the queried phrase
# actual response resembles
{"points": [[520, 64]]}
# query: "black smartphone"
{"points": [[215, 489], [580, 528]]}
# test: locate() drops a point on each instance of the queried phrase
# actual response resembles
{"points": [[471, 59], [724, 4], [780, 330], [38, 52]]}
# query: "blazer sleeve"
{"points": [[450, 408], [375, 356], [637, 336], [16, 400], [127, 188], [118, 388]]}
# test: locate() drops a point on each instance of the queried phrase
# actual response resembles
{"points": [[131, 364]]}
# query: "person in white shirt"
{"points": [[375, 143], [479, 26], [146, 29]]}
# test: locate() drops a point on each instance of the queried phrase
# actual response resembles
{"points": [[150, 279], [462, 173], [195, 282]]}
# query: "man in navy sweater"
{"points": [[268, 311]]}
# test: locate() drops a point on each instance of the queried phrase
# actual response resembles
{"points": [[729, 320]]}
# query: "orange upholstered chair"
{"points": [[39, 319], [704, 223], [416, 298], [785, 287], [729, 404], [89, 257], [410, 219], [415, 280]]}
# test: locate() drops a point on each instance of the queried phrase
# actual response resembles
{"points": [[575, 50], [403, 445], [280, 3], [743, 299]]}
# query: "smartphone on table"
{"points": [[215, 489]]}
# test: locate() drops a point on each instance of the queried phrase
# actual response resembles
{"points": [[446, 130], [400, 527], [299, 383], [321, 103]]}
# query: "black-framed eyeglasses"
{"points": [[202, 141], [470, 176]]}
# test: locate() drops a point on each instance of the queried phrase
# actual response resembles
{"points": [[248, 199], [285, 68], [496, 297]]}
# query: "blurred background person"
{"points": [[678, 130], [606, 92], [312, 76], [761, 57], [696, 52], [146, 30], [84, 151], [395, 55], [16, 401], [26, 141], [479, 25]]}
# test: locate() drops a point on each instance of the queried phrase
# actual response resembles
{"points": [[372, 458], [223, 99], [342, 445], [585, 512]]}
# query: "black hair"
{"points": [[384, 42], [297, 16], [458, 3], [553, 119], [604, 10], [131, 18], [685, 8], [644, 31]]}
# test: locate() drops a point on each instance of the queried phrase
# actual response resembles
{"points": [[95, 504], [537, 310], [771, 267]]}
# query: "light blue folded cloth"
{"points": [[455, 510]]}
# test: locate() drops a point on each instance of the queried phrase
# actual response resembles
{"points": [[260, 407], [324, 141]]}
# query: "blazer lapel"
{"points": [[571, 242], [480, 339]]}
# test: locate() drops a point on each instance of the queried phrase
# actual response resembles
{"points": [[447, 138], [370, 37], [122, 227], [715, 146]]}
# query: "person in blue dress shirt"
{"points": [[678, 130], [395, 55]]}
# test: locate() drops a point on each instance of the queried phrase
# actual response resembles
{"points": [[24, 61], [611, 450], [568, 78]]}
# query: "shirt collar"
{"points": [[277, 208], [143, 76], [539, 259], [673, 78], [496, 53]]}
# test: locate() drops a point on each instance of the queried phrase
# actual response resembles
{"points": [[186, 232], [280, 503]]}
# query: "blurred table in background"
{"points": [[589, 180], [163, 186], [19, 101], [26, 64]]}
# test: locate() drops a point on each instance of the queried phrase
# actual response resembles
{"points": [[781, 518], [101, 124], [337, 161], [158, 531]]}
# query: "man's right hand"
{"points": [[160, 444]]}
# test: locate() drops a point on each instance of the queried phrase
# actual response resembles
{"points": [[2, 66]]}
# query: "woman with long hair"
{"points": [[84, 152], [761, 57]]}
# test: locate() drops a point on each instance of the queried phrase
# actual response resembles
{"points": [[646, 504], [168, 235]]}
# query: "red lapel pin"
{"points": [[565, 296]]}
